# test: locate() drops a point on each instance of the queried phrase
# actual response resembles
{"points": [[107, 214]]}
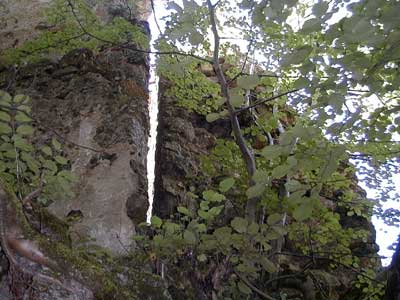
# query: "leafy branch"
{"points": [[247, 154]]}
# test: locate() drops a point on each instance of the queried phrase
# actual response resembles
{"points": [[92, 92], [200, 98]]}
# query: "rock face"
{"points": [[99, 107], [182, 137], [23, 20], [97, 104]]}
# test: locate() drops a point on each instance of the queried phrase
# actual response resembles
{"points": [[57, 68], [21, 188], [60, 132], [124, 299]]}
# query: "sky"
{"points": [[386, 235]]}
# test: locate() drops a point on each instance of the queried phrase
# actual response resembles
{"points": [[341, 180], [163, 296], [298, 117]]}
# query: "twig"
{"points": [[64, 140], [265, 100], [154, 15], [254, 288], [247, 155], [329, 259], [130, 47]]}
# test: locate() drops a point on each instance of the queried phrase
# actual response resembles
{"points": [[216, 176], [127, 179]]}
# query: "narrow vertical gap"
{"points": [[153, 111]]}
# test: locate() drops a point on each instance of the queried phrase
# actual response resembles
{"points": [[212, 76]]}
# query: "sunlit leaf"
{"points": [[226, 184]]}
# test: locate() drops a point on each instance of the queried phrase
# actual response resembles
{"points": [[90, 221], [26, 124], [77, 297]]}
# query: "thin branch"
{"points": [[154, 15], [64, 140], [247, 155], [130, 47], [329, 259], [254, 288], [264, 100], [217, 3], [383, 142]]}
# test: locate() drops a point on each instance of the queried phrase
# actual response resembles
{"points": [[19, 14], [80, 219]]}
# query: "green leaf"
{"points": [[56, 144], [213, 196], [216, 210], [212, 117], [156, 221], [271, 152], [274, 219], [202, 258], [280, 171], [47, 150], [303, 212], [302, 82], [268, 265], [298, 56], [255, 190], [203, 214], [336, 100], [248, 82], [3, 166], [226, 184], [239, 224], [5, 129], [4, 116], [183, 210], [61, 160], [31, 162], [253, 228], [21, 98], [25, 130], [51, 166], [25, 108], [189, 237], [243, 288], [22, 144], [311, 25], [320, 8], [22, 117], [261, 176], [237, 101], [223, 234], [195, 38], [5, 97]]}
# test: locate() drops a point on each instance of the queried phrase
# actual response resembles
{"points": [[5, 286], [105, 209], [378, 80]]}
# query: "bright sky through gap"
{"points": [[386, 235]]}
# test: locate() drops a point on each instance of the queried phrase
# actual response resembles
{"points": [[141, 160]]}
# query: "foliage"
{"points": [[327, 72], [24, 164], [73, 24]]}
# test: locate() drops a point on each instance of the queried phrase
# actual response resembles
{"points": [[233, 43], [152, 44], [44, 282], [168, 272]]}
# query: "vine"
{"points": [[33, 169]]}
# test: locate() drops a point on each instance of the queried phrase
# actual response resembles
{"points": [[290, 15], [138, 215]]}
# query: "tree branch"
{"points": [[247, 155], [254, 288], [264, 100], [130, 47]]}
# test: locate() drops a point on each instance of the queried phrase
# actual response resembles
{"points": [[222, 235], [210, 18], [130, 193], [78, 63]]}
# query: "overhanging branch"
{"points": [[265, 100], [130, 47]]}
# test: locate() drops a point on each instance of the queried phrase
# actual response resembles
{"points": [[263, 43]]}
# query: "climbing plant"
{"points": [[30, 168]]}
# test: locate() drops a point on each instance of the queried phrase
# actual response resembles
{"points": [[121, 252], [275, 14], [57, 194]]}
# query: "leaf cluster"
{"points": [[24, 164]]}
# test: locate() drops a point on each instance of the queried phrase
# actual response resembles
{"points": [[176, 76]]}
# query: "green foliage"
{"points": [[190, 87], [24, 164], [75, 26], [346, 68]]}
